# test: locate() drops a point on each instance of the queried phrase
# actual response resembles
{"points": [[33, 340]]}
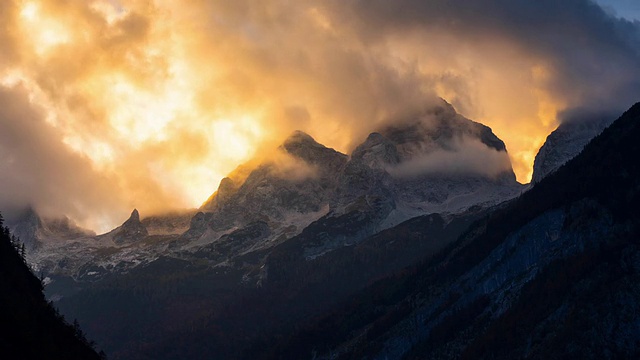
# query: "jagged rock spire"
{"points": [[131, 230]]}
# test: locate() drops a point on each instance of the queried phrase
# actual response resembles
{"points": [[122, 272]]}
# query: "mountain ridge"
{"points": [[267, 231], [565, 142], [535, 264]]}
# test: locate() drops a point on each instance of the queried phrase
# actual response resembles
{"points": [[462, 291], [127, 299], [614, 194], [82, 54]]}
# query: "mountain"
{"points": [[426, 164], [176, 222], [305, 181], [29, 228], [269, 200], [283, 239], [551, 274], [31, 328], [287, 191], [565, 142], [67, 250], [130, 231], [33, 230]]}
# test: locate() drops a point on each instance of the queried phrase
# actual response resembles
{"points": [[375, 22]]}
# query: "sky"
{"points": [[107, 105], [628, 9]]}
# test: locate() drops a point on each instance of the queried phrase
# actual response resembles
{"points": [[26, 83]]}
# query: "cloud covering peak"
{"points": [[149, 104]]}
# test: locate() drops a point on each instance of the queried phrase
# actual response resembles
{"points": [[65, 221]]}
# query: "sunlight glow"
{"points": [[45, 31], [164, 99]]}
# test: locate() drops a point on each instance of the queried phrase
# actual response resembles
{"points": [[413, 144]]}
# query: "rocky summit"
{"points": [[130, 231]]}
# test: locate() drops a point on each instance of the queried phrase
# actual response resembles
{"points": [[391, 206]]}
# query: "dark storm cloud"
{"points": [[594, 56]]}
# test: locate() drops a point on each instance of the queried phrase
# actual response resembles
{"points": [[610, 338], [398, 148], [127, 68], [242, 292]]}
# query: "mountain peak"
{"points": [[305, 147], [299, 136], [436, 128], [30, 215], [299, 140], [133, 220], [135, 216], [131, 230]]}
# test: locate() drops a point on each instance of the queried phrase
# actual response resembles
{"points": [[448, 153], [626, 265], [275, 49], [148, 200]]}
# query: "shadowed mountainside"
{"points": [[553, 274], [30, 327]]}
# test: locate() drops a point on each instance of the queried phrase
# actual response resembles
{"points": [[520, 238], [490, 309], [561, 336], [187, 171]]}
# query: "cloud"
{"points": [[466, 156], [38, 169], [518, 63], [290, 168], [575, 41], [165, 98]]}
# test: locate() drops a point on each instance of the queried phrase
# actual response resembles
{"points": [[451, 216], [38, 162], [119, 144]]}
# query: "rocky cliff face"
{"points": [[564, 143], [287, 191], [424, 165], [130, 231], [29, 228]]}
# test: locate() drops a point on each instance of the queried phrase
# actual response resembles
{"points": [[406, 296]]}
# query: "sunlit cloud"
{"points": [[163, 98]]}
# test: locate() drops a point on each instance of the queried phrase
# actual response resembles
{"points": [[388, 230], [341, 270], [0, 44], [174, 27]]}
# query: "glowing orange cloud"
{"points": [[165, 98]]}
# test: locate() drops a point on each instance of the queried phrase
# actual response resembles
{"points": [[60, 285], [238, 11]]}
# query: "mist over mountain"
{"points": [[285, 180], [193, 91]]}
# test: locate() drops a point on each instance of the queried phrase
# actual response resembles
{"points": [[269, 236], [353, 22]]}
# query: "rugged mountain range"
{"points": [[304, 211], [268, 201], [552, 274], [294, 235]]}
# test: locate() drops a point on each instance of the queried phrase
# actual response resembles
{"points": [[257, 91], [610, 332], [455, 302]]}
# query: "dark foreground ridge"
{"points": [[30, 328]]}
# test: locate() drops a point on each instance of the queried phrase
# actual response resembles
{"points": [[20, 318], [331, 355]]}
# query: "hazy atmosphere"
{"points": [[107, 105]]}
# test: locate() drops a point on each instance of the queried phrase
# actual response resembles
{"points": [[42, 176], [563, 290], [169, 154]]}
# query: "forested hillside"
{"points": [[30, 327]]}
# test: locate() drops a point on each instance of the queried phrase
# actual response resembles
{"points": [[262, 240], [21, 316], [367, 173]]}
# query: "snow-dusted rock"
{"points": [[564, 143]]}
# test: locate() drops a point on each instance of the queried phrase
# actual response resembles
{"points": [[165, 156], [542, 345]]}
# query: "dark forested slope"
{"points": [[30, 328]]}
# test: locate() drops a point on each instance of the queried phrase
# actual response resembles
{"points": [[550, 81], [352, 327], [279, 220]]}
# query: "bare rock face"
{"points": [[29, 228], [283, 191], [130, 231], [565, 143], [172, 223], [377, 152], [437, 128], [197, 226]]}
